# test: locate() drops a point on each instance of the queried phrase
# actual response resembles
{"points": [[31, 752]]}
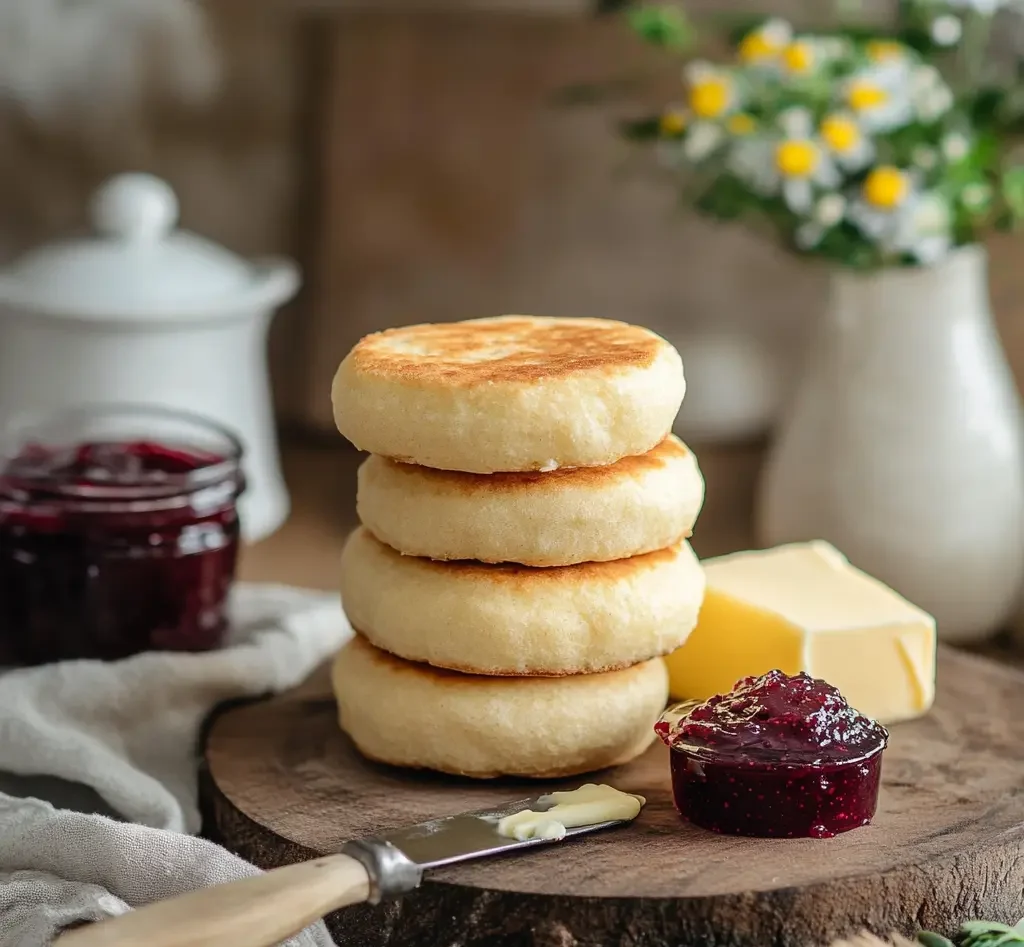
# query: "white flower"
{"points": [[884, 193], [976, 197], [807, 54], [923, 77], [925, 157], [702, 141], [880, 98], [750, 159], [809, 235], [741, 124], [795, 121], [694, 141], [713, 96], [828, 213], [885, 52], [713, 91], [802, 57], [836, 47], [673, 121], [925, 229], [902, 219], [956, 147], [931, 96], [801, 162], [947, 30], [852, 149], [935, 103], [763, 46], [830, 210]]}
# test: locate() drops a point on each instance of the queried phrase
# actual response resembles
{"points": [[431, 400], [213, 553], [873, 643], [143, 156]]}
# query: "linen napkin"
{"points": [[129, 731]]}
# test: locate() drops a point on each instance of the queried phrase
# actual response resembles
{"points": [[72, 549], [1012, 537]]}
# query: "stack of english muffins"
{"points": [[522, 564]]}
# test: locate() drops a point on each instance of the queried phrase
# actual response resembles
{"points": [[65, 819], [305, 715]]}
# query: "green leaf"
{"points": [[665, 26], [725, 198], [986, 106], [1004, 222], [641, 129], [934, 940], [919, 39], [989, 933], [986, 151], [1013, 194], [847, 246], [736, 27]]}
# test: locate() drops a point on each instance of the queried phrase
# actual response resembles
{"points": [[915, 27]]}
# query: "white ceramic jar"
{"points": [[143, 313]]}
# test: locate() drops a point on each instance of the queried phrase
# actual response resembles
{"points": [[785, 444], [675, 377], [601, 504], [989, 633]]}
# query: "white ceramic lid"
{"points": [[138, 267]]}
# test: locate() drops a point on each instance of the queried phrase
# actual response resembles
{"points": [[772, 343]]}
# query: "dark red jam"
{"points": [[778, 757], [110, 547]]}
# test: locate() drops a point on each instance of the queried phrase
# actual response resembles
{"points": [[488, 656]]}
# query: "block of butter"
{"points": [[803, 607]]}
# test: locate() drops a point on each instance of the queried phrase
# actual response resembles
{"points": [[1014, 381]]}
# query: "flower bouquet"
{"points": [[862, 148], [890, 155]]}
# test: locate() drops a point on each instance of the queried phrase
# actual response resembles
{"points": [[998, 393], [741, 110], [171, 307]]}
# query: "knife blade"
{"points": [[264, 910], [469, 835]]}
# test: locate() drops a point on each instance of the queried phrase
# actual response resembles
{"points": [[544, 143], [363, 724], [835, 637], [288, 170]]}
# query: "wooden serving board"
{"points": [[281, 784]]}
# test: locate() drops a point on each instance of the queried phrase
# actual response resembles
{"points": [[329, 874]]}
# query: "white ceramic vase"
{"points": [[903, 444]]}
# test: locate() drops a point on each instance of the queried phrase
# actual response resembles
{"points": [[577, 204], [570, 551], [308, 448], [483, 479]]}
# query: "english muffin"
{"points": [[410, 715], [520, 621], [581, 514], [509, 394]]}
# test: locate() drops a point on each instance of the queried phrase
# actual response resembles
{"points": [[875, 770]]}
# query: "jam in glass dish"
{"points": [[777, 757], [119, 533]]}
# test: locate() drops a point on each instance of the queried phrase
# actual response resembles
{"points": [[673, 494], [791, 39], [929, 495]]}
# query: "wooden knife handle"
{"points": [[254, 912]]}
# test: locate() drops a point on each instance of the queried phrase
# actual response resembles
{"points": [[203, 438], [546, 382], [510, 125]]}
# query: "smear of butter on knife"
{"points": [[588, 805]]}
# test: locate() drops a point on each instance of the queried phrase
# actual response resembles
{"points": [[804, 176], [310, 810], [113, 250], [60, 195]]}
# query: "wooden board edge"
{"points": [[937, 896]]}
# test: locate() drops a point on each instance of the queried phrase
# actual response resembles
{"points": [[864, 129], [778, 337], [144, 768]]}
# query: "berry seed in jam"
{"points": [[778, 757], [119, 533]]}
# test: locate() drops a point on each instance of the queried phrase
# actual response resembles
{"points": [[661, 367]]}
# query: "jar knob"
{"points": [[135, 207]]}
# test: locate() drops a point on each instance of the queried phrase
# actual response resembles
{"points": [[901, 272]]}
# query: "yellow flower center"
{"points": [[865, 95], [886, 187], [882, 50], [797, 159], [841, 133], [757, 47], [673, 123], [742, 124], [799, 58], [710, 97]]}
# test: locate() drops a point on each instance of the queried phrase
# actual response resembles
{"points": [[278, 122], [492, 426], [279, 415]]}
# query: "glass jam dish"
{"points": [[119, 533], [777, 757]]}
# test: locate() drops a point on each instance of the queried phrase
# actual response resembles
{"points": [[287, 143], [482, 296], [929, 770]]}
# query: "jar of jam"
{"points": [[119, 533], [779, 756]]}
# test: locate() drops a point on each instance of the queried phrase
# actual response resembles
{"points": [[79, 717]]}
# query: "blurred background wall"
{"points": [[413, 155]]}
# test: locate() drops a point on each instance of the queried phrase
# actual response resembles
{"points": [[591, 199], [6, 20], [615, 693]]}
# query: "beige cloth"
{"points": [[129, 731], [59, 867]]}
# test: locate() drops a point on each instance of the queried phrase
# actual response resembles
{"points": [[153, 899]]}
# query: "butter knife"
{"points": [[264, 910]]}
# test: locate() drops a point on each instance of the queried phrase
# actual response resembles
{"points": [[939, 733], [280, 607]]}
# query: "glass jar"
{"points": [[119, 533]]}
